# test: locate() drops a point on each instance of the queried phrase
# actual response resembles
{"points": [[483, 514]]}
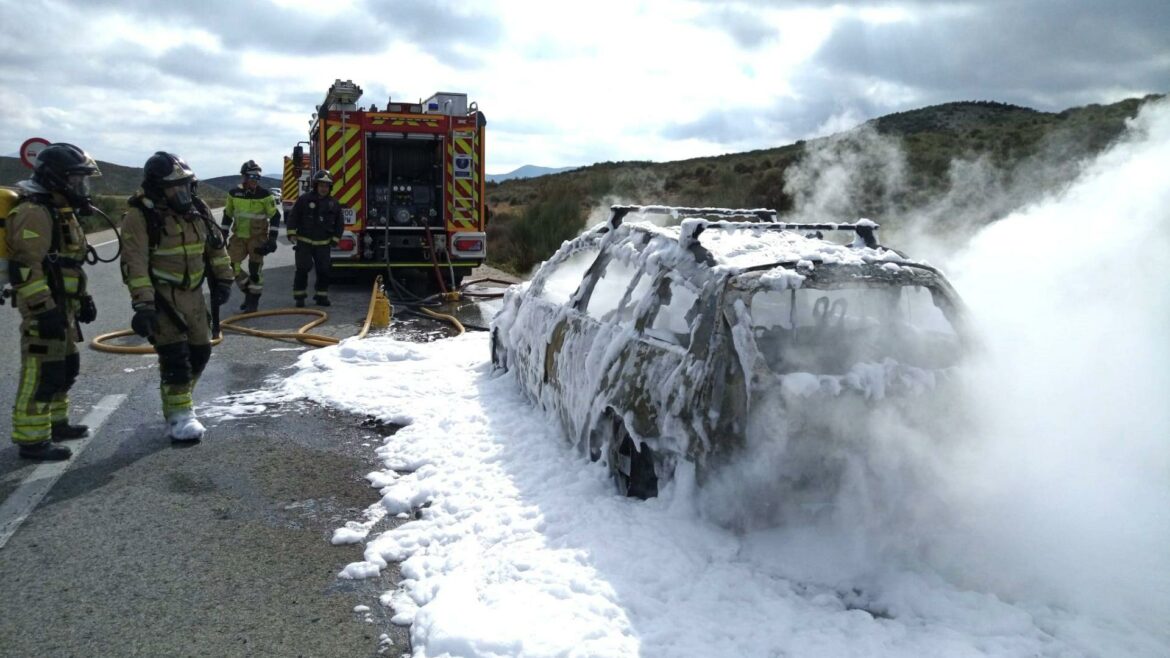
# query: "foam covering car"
{"points": [[666, 339]]}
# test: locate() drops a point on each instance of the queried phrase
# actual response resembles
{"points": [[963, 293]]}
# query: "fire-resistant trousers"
{"points": [[311, 257], [48, 368], [239, 249], [183, 344]]}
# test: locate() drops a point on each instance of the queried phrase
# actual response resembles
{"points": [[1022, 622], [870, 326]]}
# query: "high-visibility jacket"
{"points": [[315, 220], [46, 248], [179, 253], [251, 213]]}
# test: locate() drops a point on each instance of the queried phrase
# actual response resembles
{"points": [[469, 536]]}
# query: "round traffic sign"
{"points": [[30, 148]]}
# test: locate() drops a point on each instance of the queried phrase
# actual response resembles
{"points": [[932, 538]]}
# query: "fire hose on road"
{"points": [[377, 316]]}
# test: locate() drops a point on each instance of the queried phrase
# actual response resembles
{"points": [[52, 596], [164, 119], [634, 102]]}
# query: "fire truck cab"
{"points": [[409, 177]]}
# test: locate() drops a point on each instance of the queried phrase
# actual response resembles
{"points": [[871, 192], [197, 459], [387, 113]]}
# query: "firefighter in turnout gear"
{"points": [[251, 210], [314, 227], [170, 244], [47, 248]]}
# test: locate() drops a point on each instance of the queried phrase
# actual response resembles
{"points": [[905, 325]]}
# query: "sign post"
{"points": [[29, 150]]}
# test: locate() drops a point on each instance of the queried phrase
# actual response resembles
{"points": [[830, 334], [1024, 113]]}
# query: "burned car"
{"points": [[655, 338]]}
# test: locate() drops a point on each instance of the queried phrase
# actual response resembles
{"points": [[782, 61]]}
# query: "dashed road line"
{"points": [[16, 508]]}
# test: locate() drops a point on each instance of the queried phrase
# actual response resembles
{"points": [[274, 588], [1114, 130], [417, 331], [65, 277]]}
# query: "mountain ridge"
{"points": [[527, 171], [920, 163]]}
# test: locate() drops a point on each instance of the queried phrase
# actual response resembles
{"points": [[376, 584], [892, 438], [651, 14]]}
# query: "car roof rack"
{"points": [[763, 218]]}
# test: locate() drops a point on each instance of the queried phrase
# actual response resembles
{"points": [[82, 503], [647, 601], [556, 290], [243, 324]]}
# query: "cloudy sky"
{"points": [[561, 83]]}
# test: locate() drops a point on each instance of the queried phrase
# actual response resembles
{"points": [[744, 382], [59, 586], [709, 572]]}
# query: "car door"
{"points": [[655, 386], [550, 297], [590, 338]]}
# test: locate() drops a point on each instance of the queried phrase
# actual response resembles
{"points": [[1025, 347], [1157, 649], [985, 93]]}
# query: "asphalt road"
{"points": [[221, 549]]}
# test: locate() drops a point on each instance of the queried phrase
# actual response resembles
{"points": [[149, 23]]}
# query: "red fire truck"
{"points": [[294, 179], [410, 179]]}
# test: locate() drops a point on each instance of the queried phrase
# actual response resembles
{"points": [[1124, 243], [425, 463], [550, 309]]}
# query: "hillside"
{"points": [[226, 183], [949, 168], [116, 180], [110, 190]]}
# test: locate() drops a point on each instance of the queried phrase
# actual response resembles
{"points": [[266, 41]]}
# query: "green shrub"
{"points": [[519, 242]]}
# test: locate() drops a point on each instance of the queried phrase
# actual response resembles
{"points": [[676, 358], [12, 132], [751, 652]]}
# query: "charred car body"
{"points": [[657, 345]]}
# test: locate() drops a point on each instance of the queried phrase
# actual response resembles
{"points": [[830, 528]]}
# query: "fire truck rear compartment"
{"points": [[405, 181], [405, 194]]}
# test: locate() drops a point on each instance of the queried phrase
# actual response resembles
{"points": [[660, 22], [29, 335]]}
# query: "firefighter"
{"points": [[170, 244], [46, 250], [314, 228], [252, 210]]}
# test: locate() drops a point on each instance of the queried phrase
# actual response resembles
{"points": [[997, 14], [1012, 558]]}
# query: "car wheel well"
{"points": [[499, 357], [631, 463]]}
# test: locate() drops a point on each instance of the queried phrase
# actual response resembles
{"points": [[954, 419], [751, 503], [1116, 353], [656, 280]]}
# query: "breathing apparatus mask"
{"points": [[167, 179], [179, 197], [65, 169]]}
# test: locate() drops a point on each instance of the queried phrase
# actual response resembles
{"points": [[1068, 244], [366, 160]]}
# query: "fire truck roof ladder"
{"points": [[342, 96]]}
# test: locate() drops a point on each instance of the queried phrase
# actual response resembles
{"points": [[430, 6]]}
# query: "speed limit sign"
{"points": [[29, 150]]}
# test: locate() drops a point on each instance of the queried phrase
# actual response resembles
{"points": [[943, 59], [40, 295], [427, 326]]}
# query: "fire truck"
{"points": [[294, 179], [409, 176]]}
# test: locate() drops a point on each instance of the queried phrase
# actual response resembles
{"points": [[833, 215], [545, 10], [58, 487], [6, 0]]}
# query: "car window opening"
{"points": [[564, 277], [610, 289], [675, 315], [828, 331]]}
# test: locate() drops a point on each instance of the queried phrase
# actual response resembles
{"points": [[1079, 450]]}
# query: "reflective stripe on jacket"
{"points": [[315, 219], [30, 244], [177, 259], [252, 213]]}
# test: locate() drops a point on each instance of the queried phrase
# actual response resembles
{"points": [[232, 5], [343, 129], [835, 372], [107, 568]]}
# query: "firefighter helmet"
{"points": [[167, 171], [250, 169], [65, 169], [322, 176]]}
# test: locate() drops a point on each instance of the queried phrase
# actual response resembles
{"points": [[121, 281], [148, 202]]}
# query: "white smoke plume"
{"points": [[1051, 482], [844, 173], [1065, 488]]}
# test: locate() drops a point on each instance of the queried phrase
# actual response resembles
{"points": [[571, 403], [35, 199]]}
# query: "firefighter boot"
{"points": [[45, 451], [251, 303], [184, 427], [63, 431], [322, 300], [300, 302]]}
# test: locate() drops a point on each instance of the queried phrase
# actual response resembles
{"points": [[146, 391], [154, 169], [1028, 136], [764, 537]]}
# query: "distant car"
{"points": [[655, 346], [276, 192]]}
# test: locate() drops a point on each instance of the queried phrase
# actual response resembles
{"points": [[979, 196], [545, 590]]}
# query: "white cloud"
{"points": [[560, 84], [19, 113]]}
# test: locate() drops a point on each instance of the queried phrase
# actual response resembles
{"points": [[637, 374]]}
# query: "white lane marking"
{"points": [[102, 244], [21, 503]]}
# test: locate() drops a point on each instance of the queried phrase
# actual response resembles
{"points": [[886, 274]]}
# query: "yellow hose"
{"points": [[448, 318], [229, 324]]}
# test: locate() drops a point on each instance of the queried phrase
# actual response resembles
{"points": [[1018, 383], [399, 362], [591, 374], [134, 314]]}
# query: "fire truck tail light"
{"points": [[469, 245], [346, 244]]}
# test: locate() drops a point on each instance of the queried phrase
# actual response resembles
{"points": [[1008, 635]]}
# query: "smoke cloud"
{"points": [[1064, 489], [1045, 478]]}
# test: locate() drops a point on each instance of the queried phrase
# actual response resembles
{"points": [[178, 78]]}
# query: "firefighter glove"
{"points": [[145, 321], [51, 323], [88, 311], [221, 293], [292, 237], [335, 240]]}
